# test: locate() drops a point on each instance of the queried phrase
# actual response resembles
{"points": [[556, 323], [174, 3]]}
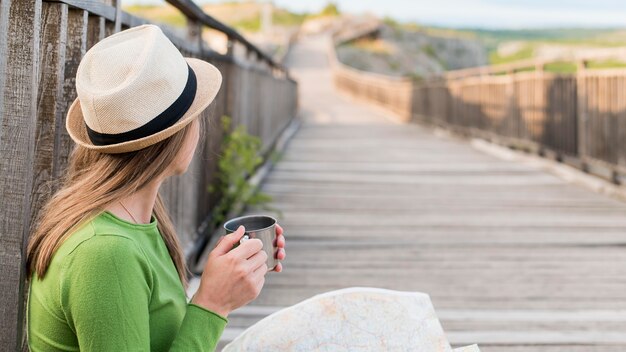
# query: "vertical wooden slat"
{"points": [[4, 30], [50, 93], [591, 111], [612, 141], [17, 129], [194, 34], [621, 122], [76, 46], [589, 88], [110, 26], [95, 30], [581, 111], [118, 16]]}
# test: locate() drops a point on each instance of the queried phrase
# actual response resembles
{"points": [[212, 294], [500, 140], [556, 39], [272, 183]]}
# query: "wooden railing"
{"points": [[392, 93], [41, 45], [577, 118]]}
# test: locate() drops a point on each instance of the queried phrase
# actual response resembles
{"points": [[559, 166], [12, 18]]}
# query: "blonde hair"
{"points": [[95, 180]]}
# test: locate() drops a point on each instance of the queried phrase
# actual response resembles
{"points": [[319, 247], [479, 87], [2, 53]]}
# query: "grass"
{"points": [[158, 13], [252, 24], [568, 67], [561, 67], [526, 53], [375, 46], [429, 30], [605, 64], [169, 15], [288, 19]]}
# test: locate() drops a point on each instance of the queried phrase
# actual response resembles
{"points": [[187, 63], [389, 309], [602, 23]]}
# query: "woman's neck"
{"points": [[138, 206]]}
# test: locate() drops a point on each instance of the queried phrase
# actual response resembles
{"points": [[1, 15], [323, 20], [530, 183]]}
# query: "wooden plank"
{"points": [[97, 8], [4, 30], [50, 95], [16, 174], [118, 15], [95, 30], [77, 30]]}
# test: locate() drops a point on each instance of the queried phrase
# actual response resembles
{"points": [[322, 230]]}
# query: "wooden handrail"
{"points": [[522, 64], [193, 12], [188, 8]]}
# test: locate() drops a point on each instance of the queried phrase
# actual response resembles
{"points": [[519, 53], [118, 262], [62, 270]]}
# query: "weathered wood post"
{"points": [[194, 33], [19, 71], [581, 91]]}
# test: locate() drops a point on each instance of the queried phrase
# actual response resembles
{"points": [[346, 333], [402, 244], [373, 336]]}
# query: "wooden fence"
{"points": [[577, 118], [392, 93], [41, 45]]}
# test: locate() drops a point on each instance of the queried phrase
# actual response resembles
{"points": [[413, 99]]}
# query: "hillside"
{"points": [[245, 16], [512, 45], [409, 48], [267, 26], [415, 52]]}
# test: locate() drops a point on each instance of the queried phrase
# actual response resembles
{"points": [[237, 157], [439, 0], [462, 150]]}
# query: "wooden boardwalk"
{"points": [[514, 258]]}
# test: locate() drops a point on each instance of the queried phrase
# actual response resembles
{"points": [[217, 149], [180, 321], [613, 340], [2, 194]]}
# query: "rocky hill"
{"points": [[418, 53]]}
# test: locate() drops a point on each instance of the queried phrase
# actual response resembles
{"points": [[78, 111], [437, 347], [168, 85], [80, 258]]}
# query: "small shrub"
{"points": [[239, 159]]}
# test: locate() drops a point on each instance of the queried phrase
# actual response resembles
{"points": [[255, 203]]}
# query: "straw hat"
{"points": [[136, 89]]}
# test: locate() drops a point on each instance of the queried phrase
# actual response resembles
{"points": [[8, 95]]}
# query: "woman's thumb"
{"points": [[227, 242]]}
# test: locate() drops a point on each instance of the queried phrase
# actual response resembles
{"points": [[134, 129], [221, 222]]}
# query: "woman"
{"points": [[107, 272]]}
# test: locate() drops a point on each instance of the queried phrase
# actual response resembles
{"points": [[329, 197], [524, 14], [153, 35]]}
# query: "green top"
{"points": [[112, 286]]}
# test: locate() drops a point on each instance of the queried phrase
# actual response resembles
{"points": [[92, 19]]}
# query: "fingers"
{"points": [[227, 242], [258, 277], [248, 248], [257, 260], [278, 268], [279, 242], [280, 254], [218, 242], [279, 230], [260, 270]]}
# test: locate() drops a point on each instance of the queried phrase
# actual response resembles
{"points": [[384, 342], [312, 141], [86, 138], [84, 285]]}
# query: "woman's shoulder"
{"points": [[100, 261], [95, 253], [100, 237]]}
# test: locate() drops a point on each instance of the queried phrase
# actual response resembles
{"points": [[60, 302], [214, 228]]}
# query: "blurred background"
{"points": [[426, 38]]}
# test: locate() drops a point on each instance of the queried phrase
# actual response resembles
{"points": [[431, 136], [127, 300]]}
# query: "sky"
{"points": [[491, 14]]}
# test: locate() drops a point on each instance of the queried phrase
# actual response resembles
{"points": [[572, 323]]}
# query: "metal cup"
{"points": [[262, 227]]}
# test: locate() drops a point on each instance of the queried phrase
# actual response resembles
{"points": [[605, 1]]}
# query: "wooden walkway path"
{"points": [[514, 258]]}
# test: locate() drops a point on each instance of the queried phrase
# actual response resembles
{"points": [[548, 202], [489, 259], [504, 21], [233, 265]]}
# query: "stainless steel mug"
{"points": [[262, 227]]}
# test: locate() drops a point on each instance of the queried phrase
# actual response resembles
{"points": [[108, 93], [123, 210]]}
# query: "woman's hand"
{"points": [[280, 252], [233, 277]]}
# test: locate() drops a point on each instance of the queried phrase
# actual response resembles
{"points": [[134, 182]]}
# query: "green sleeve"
{"points": [[199, 322], [105, 293]]}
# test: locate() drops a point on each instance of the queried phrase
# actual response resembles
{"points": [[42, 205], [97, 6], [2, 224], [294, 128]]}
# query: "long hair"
{"points": [[95, 180]]}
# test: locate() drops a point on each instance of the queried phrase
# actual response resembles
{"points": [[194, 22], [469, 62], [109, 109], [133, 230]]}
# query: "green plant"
{"points": [[415, 77], [560, 67], [285, 18], [429, 50], [239, 159], [330, 9], [606, 64], [252, 24], [525, 52]]}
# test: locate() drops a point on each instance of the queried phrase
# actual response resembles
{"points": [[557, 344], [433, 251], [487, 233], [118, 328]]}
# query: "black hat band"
{"points": [[164, 120]]}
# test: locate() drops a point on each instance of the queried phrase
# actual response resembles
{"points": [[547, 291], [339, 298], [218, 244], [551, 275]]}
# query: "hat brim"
{"points": [[209, 81]]}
